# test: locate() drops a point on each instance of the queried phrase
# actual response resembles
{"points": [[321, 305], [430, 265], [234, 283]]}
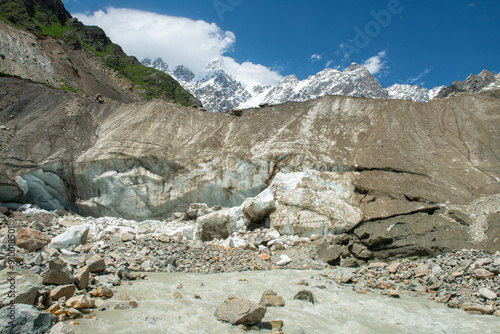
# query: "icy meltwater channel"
{"points": [[338, 308]]}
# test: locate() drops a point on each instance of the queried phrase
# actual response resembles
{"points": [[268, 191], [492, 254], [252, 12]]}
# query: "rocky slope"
{"points": [[55, 49], [219, 91], [428, 173], [473, 84]]}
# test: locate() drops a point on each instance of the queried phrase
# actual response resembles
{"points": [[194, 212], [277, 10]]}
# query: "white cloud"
{"points": [[315, 57], [418, 77], [177, 40], [249, 73], [376, 63]]}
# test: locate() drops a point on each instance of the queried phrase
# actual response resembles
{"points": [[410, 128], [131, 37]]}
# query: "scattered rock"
{"points": [[238, 311], [471, 307], [271, 298], [82, 277], [393, 267], [57, 274], [264, 256], [74, 313], [487, 294], [63, 291], [96, 264], [103, 291], [483, 274], [393, 293], [305, 295], [375, 265], [79, 302], [31, 240]]}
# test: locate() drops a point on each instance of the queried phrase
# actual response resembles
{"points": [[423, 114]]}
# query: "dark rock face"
{"points": [[412, 235], [473, 84], [183, 73], [26, 320]]}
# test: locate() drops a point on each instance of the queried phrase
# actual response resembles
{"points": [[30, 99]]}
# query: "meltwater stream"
{"points": [[338, 308]]}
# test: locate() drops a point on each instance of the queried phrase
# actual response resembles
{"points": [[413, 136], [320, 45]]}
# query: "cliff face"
{"points": [[54, 49], [341, 161]]}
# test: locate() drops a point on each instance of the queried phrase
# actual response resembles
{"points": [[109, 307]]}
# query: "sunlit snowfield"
{"points": [[338, 309]]}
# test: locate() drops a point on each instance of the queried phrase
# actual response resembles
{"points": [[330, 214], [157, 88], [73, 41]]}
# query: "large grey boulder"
{"points": [[238, 311], [24, 319], [25, 284], [418, 234]]}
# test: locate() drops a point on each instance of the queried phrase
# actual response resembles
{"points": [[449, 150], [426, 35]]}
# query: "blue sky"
{"points": [[421, 42]]}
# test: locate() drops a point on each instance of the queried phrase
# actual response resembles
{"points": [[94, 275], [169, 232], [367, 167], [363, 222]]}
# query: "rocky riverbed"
{"points": [[68, 266]]}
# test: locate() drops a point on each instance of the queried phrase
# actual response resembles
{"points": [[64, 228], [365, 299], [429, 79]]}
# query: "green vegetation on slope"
{"points": [[50, 18]]}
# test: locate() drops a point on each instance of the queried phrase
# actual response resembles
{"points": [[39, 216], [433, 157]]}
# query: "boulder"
{"points": [[416, 234], [96, 264], [57, 273], [25, 283], [31, 240], [271, 298], [305, 295], [259, 207], [238, 311], [82, 277], [103, 291], [81, 301], [74, 235], [221, 224], [330, 252], [26, 319], [63, 291]]}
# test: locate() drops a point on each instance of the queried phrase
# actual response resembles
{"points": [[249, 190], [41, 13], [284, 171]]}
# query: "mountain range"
{"points": [[220, 91]]}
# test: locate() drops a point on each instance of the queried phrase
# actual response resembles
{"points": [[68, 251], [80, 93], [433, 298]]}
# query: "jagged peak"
{"points": [[290, 78], [353, 67]]}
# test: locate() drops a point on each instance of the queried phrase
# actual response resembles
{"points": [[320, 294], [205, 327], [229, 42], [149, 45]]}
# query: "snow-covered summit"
{"points": [[220, 91]]}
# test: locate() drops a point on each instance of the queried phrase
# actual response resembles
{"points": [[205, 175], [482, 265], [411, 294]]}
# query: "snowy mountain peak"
{"points": [[183, 73], [160, 65], [355, 67], [219, 91]]}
